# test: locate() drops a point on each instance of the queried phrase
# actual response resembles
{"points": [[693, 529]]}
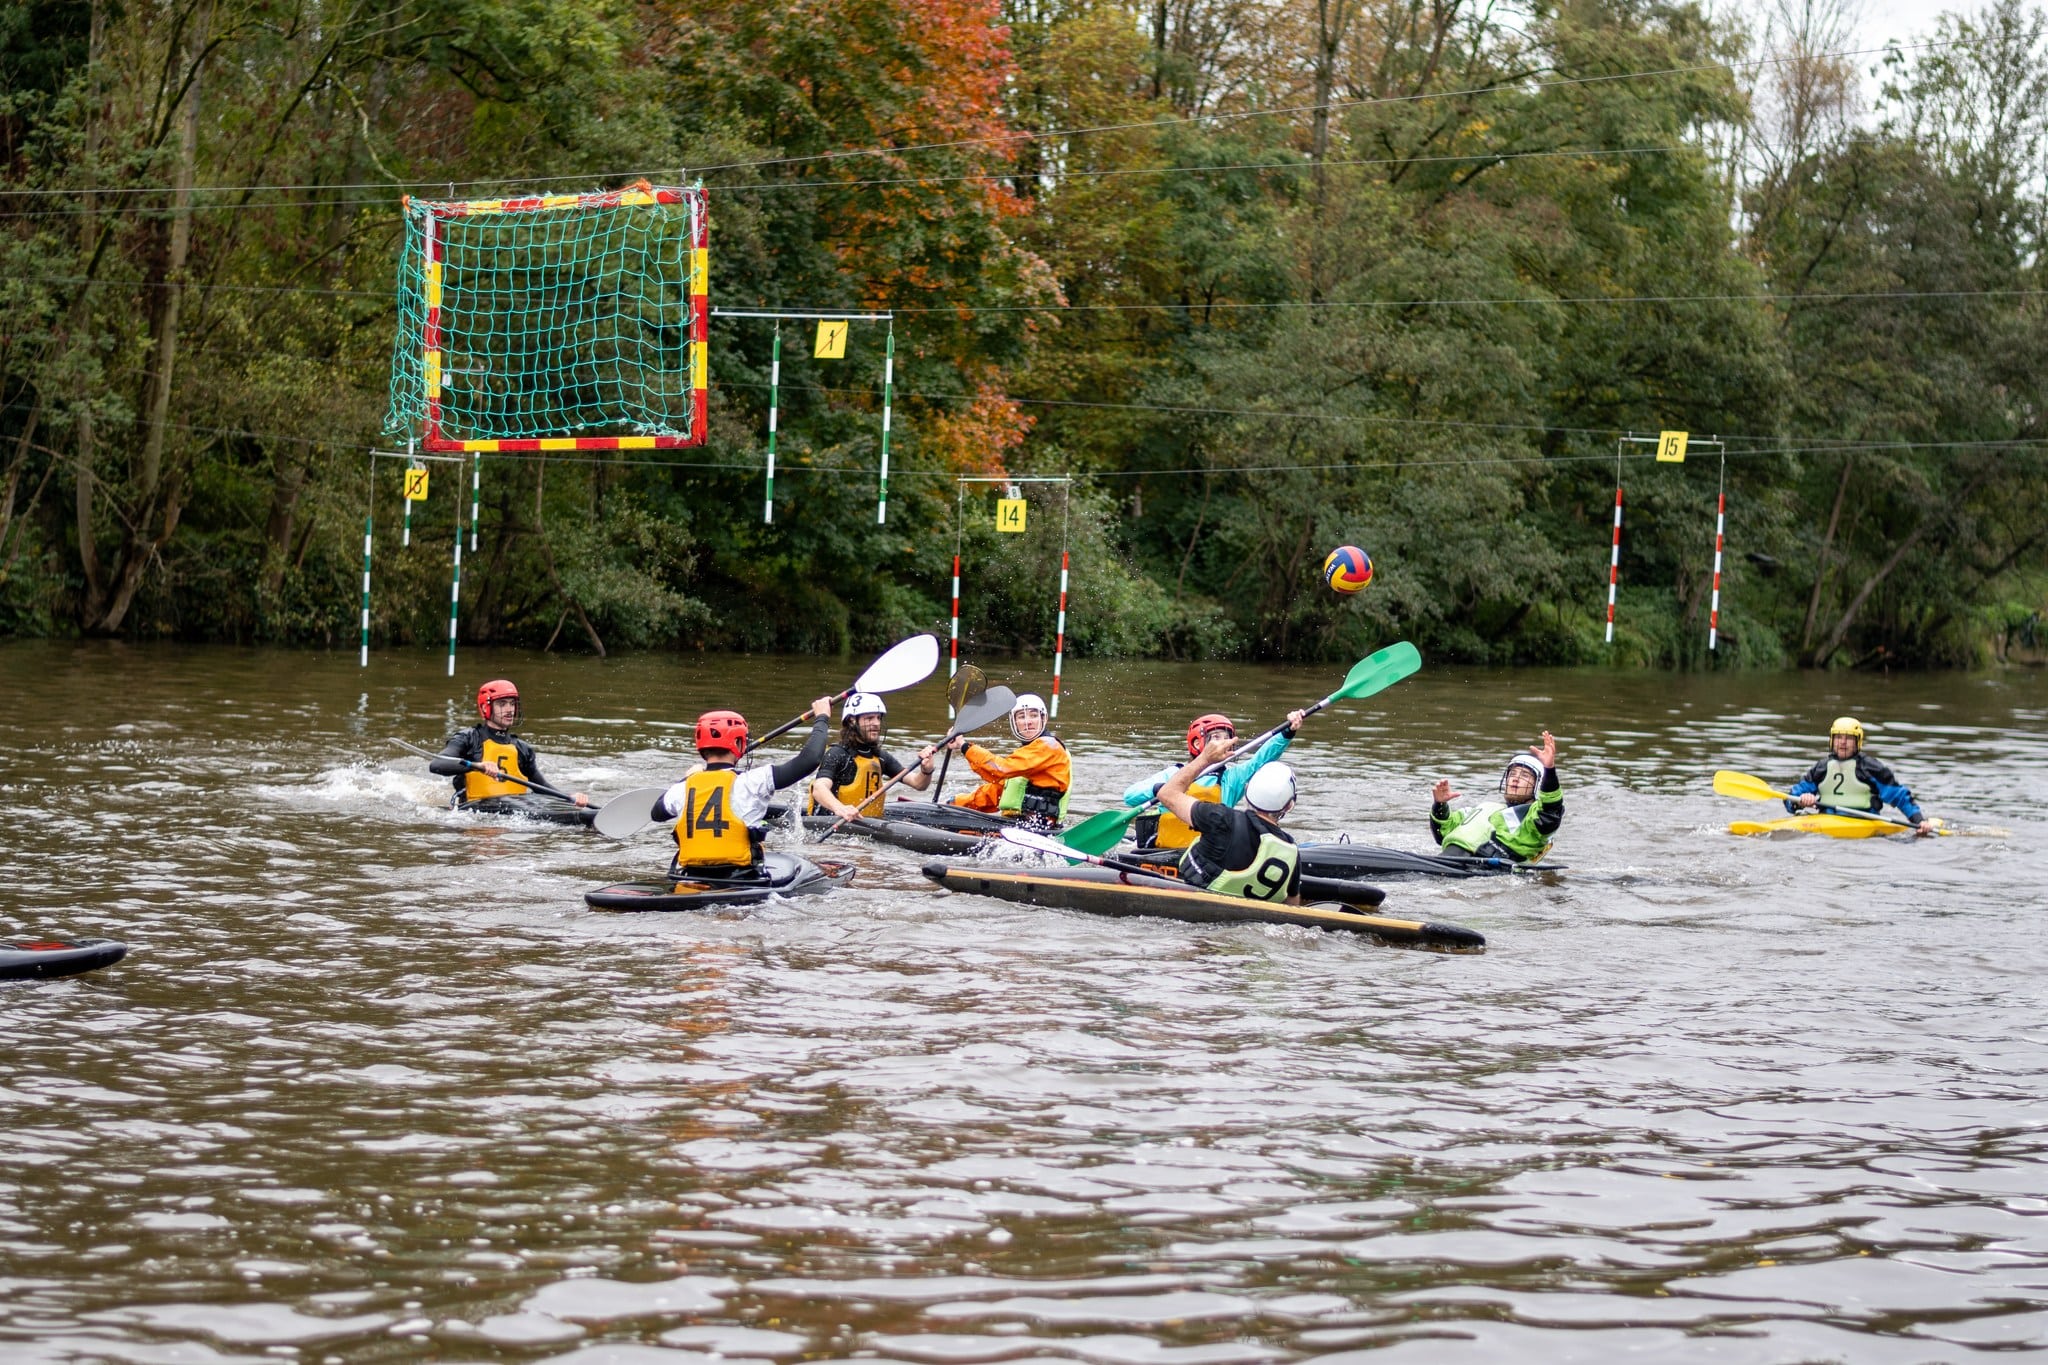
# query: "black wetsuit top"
{"points": [[468, 746], [1229, 842]]}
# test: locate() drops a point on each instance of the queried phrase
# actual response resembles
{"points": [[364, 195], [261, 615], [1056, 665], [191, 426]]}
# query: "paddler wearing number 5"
{"points": [[1850, 780], [1031, 782], [1237, 852], [851, 777], [488, 760], [718, 810]]}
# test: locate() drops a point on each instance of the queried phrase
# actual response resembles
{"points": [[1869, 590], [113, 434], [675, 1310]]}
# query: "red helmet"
{"points": [[497, 689], [1199, 728], [722, 730]]}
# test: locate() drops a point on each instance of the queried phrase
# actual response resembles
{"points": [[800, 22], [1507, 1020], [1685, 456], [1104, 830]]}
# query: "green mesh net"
{"points": [[570, 319]]}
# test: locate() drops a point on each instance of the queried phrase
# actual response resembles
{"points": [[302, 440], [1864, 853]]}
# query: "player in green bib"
{"points": [[1850, 780], [1516, 828], [1237, 852]]}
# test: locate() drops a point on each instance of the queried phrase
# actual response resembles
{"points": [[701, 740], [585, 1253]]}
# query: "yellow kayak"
{"points": [[1834, 826]]}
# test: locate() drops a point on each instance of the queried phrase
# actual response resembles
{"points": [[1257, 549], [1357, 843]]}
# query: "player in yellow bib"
{"points": [[504, 763], [851, 776], [718, 810]]}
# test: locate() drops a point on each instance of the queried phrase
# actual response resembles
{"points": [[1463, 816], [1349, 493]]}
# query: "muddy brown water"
{"points": [[374, 1086]]}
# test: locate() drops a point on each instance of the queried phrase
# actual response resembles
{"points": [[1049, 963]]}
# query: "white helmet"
{"points": [[863, 704], [1030, 701], [1529, 761], [1271, 789]]}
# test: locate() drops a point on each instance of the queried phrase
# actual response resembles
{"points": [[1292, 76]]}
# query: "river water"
{"points": [[374, 1086]]}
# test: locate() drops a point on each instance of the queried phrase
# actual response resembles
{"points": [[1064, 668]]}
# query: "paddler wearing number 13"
{"points": [[488, 760], [1031, 782], [719, 811], [850, 779]]}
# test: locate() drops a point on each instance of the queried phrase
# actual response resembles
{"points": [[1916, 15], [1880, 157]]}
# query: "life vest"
{"points": [[1022, 799], [1272, 868], [1488, 823], [1843, 787], [864, 792], [1172, 831], [478, 786], [708, 833]]}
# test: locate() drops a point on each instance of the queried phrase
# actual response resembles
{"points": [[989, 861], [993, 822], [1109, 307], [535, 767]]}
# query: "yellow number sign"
{"points": [[415, 485], [1671, 446], [1009, 514], [831, 341]]}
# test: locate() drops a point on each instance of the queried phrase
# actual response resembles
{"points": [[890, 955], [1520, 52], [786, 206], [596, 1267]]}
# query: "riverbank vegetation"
{"points": [[1263, 276]]}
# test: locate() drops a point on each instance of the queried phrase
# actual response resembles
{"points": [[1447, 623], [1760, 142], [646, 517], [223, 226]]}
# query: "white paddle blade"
{"points": [[1040, 843], [626, 815], [904, 664]]}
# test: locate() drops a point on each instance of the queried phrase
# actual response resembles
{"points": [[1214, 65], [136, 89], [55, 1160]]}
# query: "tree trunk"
{"points": [[1827, 541], [1870, 585], [285, 490], [88, 547]]}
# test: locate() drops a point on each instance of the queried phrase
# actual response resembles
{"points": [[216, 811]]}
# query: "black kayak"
{"points": [[1363, 860], [923, 827], [543, 808], [30, 958], [1106, 891], [783, 874]]}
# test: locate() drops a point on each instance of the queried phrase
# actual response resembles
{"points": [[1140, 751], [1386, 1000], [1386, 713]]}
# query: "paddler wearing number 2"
{"points": [[1849, 779], [719, 811], [1237, 852], [503, 762]]}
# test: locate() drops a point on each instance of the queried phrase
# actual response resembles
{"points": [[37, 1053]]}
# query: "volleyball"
{"points": [[1348, 569]]}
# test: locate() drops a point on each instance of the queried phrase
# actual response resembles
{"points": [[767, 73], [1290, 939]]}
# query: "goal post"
{"points": [[559, 322]]}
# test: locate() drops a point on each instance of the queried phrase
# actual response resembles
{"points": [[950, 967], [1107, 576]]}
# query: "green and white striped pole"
{"points": [[476, 494], [774, 389], [888, 394], [368, 520]]}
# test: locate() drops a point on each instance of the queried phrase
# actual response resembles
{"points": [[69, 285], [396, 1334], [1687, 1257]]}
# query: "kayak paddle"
{"points": [[540, 787], [1405, 932], [967, 684], [1378, 671], [1320, 888], [903, 664], [996, 701], [1728, 782]]}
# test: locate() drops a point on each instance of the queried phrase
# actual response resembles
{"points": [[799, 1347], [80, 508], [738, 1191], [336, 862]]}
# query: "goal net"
{"points": [[553, 322]]}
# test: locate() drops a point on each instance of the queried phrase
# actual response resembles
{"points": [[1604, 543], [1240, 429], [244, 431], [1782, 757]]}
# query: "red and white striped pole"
{"points": [[953, 660], [1059, 641], [1614, 564], [1720, 525]]}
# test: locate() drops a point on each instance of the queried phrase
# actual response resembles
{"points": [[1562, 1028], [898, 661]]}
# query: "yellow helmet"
{"points": [[1846, 725]]}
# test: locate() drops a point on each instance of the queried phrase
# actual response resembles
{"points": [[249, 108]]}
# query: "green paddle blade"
{"points": [[1103, 831], [1378, 671], [1728, 782]]}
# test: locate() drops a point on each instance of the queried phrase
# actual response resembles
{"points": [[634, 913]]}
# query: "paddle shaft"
{"points": [[474, 767]]}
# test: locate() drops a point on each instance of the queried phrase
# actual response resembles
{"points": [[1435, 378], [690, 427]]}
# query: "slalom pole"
{"points": [[959, 540], [1614, 556], [1059, 639], [410, 463], [774, 389], [888, 394], [454, 597], [1720, 525], [369, 524], [476, 498]]}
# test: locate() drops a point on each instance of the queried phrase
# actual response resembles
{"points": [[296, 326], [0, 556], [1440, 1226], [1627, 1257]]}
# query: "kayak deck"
{"points": [[41, 958], [1834, 826], [542, 808], [1106, 891], [787, 875]]}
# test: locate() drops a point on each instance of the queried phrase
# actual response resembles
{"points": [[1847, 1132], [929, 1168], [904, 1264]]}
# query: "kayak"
{"points": [[1106, 891], [784, 874], [922, 827], [543, 808], [1364, 860], [1165, 862], [1834, 826], [29, 958]]}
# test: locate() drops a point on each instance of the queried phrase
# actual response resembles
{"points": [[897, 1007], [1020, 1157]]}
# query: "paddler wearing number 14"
{"points": [[719, 812], [488, 760]]}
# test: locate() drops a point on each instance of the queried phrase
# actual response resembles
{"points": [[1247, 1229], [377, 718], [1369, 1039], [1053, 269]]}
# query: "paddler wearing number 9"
{"points": [[1849, 779], [718, 811], [1031, 782], [850, 779], [488, 760], [1237, 852]]}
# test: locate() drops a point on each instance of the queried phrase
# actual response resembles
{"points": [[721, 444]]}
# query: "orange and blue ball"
{"points": [[1348, 569]]}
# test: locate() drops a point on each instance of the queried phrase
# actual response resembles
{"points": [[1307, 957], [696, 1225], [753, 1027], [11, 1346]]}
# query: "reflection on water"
{"points": [[373, 1085]]}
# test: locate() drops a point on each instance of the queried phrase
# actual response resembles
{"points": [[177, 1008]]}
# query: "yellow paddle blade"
{"points": [[1728, 782]]}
